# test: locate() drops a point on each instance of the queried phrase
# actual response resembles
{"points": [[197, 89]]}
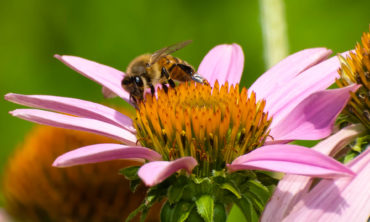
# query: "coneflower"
{"points": [[36, 191], [202, 142], [342, 199]]}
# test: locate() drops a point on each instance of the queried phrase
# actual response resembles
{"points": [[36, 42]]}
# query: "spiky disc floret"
{"points": [[356, 69], [214, 125]]}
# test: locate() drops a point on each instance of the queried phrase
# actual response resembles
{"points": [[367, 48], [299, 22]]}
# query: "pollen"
{"points": [[356, 69], [212, 124]]}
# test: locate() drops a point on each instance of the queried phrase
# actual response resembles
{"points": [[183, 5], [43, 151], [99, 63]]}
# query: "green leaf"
{"points": [[175, 192], [219, 173], [182, 211], [144, 213], [230, 187], [266, 179], [199, 180], [205, 207], [194, 216], [219, 214], [247, 209], [349, 157], [189, 192], [259, 190], [133, 214], [134, 184], [130, 173], [257, 204], [167, 212], [178, 212], [236, 214]]}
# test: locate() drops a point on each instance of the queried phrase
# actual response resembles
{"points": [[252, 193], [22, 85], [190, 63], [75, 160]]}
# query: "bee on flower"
{"points": [[204, 145]]}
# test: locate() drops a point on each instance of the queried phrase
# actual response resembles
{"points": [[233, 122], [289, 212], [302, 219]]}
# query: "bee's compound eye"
{"points": [[126, 81], [138, 81]]}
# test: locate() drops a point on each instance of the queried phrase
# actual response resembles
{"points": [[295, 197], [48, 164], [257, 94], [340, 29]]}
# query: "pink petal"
{"points": [[278, 76], [292, 187], [283, 200], [76, 123], [104, 152], [291, 159], [155, 172], [343, 199], [319, 77], [4, 216], [104, 75], [335, 143], [314, 117], [223, 63], [75, 107], [107, 93]]}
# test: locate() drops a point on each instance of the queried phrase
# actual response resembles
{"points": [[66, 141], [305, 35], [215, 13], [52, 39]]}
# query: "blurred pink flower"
{"points": [[295, 96], [341, 199]]}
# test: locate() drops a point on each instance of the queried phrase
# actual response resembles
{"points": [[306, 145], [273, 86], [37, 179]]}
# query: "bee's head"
{"points": [[135, 86]]}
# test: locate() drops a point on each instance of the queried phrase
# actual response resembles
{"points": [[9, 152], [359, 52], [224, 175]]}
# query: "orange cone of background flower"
{"points": [[36, 191]]}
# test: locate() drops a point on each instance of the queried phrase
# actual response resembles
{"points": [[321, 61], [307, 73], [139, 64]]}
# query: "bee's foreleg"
{"points": [[152, 89], [187, 69], [165, 73], [197, 78], [134, 101], [172, 83], [165, 87]]}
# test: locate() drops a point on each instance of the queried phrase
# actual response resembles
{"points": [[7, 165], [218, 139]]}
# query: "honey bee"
{"points": [[148, 70]]}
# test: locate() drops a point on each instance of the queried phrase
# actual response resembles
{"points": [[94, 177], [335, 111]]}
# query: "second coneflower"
{"points": [[355, 68], [35, 191], [343, 199], [208, 134]]}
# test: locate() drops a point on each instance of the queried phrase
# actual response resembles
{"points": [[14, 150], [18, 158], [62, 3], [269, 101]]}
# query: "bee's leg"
{"points": [[194, 76], [197, 78], [152, 89], [165, 73], [172, 83], [134, 101], [165, 88], [189, 70]]}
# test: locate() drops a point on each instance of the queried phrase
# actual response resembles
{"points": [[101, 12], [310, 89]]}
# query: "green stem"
{"points": [[274, 31]]}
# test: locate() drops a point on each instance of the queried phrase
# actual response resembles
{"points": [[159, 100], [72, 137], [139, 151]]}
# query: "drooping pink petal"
{"points": [[335, 143], [319, 77], [283, 199], [291, 159], [4, 216], [223, 63], [107, 93], [290, 67], [314, 117], [104, 152], [343, 199], [292, 187], [106, 76], [155, 172], [73, 106], [76, 123]]}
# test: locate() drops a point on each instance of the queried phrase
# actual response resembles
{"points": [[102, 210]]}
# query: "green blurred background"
{"points": [[114, 32]]}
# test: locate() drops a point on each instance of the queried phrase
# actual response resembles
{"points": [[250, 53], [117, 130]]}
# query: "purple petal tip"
{"points": [[8, 96], [57, 56]]}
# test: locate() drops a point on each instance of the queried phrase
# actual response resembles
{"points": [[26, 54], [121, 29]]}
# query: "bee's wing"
{"points": [[167, 50]]}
